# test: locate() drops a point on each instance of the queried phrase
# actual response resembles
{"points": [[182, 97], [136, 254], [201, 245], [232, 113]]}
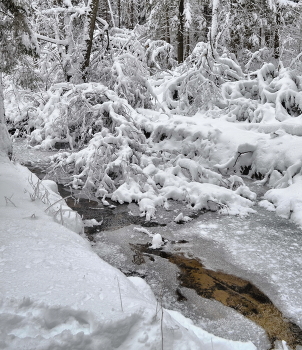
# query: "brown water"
{"points": [[240, 295], [233, 292]]}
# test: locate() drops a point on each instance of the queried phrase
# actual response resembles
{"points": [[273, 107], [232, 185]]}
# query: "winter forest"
{"points": [[150, 174]]}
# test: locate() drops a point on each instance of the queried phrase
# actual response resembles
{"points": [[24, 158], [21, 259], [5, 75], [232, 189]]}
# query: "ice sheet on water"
{"points": [[262, 248]]}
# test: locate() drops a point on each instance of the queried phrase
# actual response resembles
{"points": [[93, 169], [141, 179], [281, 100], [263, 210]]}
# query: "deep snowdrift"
{"points": [[57, 293]]}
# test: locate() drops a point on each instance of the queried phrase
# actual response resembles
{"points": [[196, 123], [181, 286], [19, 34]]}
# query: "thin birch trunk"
{"points": [[111, 13], [94, 6], [5, 141]]}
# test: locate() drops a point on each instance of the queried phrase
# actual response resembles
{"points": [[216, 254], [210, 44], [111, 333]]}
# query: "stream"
{"points": [[218, 270]]}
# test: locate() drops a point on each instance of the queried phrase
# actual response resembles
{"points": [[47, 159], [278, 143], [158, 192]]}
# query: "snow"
{"points": [[267, 205], [5, 142], [157, 241], [182, 218], [91, 223], [59, 294], [288, 201], [209, 342]]}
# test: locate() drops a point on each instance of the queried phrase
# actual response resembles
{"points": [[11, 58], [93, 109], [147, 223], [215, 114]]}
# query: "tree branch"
{"points": [[51, 40]]}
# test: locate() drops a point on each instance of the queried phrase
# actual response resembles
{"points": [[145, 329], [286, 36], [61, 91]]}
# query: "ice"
{"points": [[263, 249], [161, 275]]}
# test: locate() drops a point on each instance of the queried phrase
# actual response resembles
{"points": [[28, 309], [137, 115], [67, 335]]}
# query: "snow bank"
{"points": [[59, 294], [5, 142], [288, 200]]}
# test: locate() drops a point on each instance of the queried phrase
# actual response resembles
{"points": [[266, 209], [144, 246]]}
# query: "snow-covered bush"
{"points": [[20, 107], [129, 80], [111, 158], [121, 164], [160, 55], [270, 87], [123, 68], [197, 86], [72, 114]]}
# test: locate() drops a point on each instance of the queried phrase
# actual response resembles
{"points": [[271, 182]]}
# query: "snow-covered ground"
{"points": [[57, 294]]}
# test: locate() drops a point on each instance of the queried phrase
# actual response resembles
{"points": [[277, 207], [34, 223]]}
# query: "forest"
{"points": [[185, 107]]}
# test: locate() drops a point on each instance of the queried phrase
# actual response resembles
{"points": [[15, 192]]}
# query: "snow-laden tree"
{"points": [[181, 23], [124, 13], [67, 31], [16, 40], [197, 84], [253, 30], [288, 38]]}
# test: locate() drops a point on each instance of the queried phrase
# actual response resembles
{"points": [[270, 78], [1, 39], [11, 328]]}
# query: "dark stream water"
{"points": [[229, 290]]}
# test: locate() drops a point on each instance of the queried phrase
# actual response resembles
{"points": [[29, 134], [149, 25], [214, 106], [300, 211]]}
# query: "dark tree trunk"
{"points": [[277, 33], [119, 13], [132, 14], [167, 26], [207, 12], [91, 25], [6, 146], [180, 34], [187, 45]]}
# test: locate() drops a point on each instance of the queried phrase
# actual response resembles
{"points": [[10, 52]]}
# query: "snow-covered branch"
{"points": [[52, 40]]}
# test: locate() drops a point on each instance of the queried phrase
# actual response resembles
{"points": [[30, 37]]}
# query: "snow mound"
{"points": [[288, 200], [157, 241]]}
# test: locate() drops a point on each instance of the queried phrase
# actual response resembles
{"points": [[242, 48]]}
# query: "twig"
{"points": [[119, 289], [8, 200], [161, 328], [70, 196]]}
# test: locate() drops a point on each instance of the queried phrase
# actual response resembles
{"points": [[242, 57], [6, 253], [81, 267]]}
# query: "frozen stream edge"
{"points": [[261, 248]]}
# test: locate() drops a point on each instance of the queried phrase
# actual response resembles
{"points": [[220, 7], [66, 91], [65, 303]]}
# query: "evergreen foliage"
{"points": [[16, 36]]}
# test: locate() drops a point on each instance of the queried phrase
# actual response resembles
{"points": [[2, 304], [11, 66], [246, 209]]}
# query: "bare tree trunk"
{"points": [[132, 15], [187, 53], [167, 26], [119, 13], [5, 141], [91, 25], [214, 24], [262, 35], [180, 34], [300, 38], [207, 11], [277, 33]]}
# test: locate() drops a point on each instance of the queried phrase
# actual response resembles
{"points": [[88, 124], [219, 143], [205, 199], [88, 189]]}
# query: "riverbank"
{"points": [[59, 294]]}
